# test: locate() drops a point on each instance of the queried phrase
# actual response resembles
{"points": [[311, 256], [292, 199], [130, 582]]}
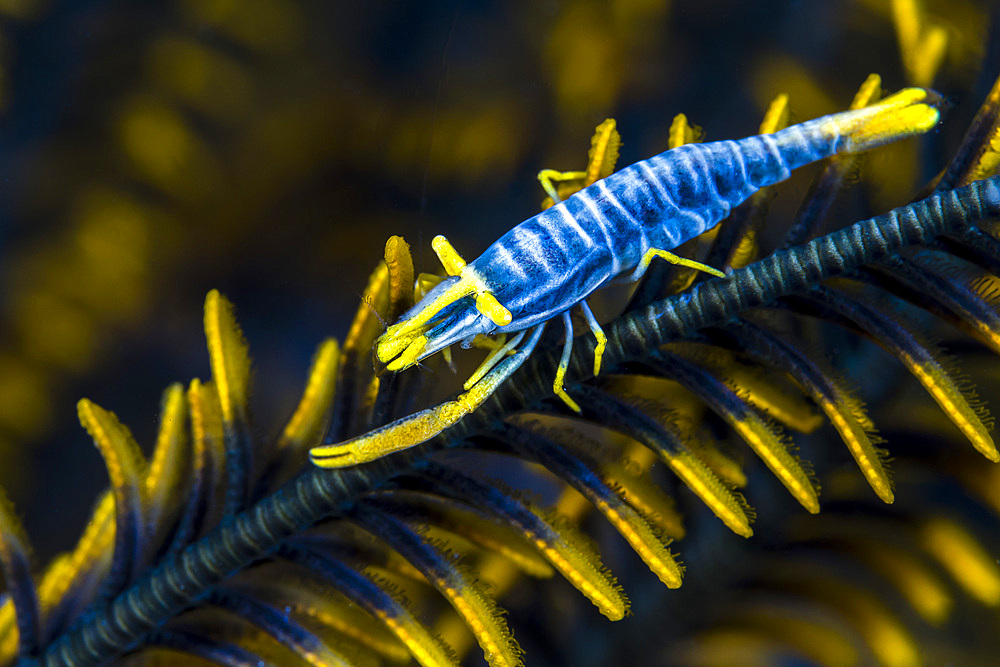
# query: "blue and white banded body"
{"points": [[552, 261]]}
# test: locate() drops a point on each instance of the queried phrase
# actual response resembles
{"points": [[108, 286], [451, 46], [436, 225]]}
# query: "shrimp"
{"points": [[611, 229]]}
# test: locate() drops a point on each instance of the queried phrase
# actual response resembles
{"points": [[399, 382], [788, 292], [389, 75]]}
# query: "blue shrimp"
{"points": [[551, 262]]}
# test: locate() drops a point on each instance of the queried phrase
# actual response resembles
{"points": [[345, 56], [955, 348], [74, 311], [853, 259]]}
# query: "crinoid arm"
{"points": [[424, 425]]}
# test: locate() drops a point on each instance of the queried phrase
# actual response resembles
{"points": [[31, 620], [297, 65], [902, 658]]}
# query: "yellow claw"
{"points": [[399, 336], [408, 356], [391, 344], [402, 342], [424, 425]]}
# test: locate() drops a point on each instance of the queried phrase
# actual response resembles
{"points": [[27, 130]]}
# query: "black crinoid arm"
{"points": [[273, 525]]}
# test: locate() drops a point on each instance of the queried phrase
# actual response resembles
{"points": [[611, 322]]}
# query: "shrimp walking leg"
{"points": [[602, 338], [557, 382], [653, 253]]}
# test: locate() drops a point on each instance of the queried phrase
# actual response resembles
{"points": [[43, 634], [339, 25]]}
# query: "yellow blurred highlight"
{"points": [[630, 481], [24, 10], [892, 173], [207, 80], [922, 42], [889, 640], [457, 521], [772, 395], [459, 146], [54, 331], [809, 634], [589, 46], [163, 149], [918, 583], [271, 26], [964, 558], [885, 634], [313, 599], [780, 72], [24, 403], [776, 116], [585, 60], [67, 292], [735, 646], [114, 239]]}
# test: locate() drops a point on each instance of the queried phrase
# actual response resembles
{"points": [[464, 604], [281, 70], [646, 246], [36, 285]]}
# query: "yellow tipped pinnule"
{"points": [[909, 112], [449, 257]]}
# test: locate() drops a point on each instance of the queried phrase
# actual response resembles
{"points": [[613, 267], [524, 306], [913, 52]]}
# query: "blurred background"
{"points": [[152, 151]]}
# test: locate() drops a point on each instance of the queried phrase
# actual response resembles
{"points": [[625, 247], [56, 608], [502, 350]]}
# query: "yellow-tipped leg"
{"points": [[549, 177], [673, 259], [602, 339], [424, 425], [557, 383]]}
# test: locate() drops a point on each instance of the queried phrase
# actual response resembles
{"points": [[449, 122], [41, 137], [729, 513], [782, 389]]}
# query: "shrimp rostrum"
{"points": [[613, 228]]}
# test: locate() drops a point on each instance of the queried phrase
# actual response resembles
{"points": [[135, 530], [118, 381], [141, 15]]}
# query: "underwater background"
{"points": [[151, 152]]}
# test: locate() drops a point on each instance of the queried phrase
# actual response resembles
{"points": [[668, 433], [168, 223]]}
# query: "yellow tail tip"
{"points": [[907, 113]]}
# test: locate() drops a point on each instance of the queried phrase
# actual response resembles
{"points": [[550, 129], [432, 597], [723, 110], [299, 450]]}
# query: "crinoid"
{"points": [[226, 546], [231, 549]]}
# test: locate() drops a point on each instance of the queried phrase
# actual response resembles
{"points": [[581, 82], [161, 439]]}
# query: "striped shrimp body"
{"points": [[615, 227]]}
